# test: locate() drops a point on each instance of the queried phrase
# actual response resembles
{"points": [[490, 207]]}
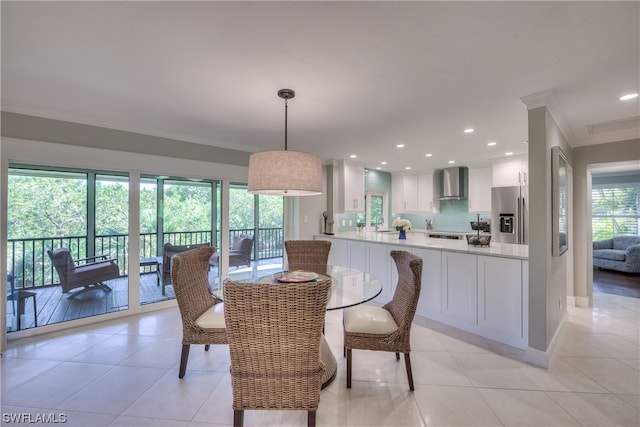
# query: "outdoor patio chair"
{"points": [[168, 252], [274, 333], [387, 328], [88, 273], [202, 314], [239, 253]]}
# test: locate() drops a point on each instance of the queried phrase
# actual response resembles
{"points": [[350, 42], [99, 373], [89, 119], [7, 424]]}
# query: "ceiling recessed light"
{"points": [[400, 145], [628, 97], [408, 167], [491, 144], [378, 168], [509, 153], [383, 163], [525, 142], [469, 130], [428, 155], [353, 156], [451, 162]]}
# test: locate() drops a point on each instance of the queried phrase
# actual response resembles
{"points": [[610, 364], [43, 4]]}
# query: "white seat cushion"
{"points": [[212, 318], [368, 319]]}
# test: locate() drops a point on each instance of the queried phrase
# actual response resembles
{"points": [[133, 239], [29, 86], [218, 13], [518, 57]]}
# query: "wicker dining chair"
{"points": [[202, 314], [308, 255], [386, 328], [274, 333]]}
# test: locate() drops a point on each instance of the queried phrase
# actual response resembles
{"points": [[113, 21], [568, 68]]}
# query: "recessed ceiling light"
{"points": [[628, 97], [378, 168], [428, 155], [451, 162], [408, 167], [509, 153], [469, 130], [525, 142], [383, 163], [353, 156], [491, 144], [400, 145]]}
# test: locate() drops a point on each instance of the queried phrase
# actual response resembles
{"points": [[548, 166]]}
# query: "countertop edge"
{"points": [[418, 240]]}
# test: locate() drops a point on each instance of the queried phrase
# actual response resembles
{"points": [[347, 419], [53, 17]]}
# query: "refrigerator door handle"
{"points": [[519, 221], [523, 220]]}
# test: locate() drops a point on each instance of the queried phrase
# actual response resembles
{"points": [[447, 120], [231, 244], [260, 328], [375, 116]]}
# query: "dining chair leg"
{"points": [[348, 368], [238, 417], [183, 360], [311, 418], [407, 363]]}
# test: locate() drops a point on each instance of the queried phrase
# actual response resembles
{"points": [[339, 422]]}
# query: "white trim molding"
{"points": [[548, 99]]}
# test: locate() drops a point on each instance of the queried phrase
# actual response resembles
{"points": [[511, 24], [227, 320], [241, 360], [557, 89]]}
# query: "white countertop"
{"points": [[418, 239]]}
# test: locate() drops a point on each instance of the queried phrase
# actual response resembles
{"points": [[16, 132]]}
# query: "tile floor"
{"points": [[125, 373]]}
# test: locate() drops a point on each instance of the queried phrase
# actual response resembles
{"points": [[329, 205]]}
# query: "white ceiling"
{"points": [[367, 75]]}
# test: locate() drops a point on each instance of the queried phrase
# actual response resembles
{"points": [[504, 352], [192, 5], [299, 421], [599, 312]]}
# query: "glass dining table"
{"points": [[349, 287]]}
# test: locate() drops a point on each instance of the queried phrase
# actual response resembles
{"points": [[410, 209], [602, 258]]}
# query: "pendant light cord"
{"points": [[286, 107]]}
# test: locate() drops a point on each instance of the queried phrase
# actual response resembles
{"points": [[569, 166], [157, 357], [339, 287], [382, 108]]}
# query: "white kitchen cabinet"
{"points": [[379, 267], [405, 193], [431, 293], [427, 192], [350, 187], [459, 286], [500, 295], [480, 189], [358, 255], [513, 172]]}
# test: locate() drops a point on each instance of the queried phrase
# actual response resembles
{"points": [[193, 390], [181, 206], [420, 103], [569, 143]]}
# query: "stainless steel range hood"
{"points": [[452, 184]]}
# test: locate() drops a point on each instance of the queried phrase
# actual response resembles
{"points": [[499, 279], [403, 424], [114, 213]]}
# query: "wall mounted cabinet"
{"points": [[413, 193], [480, 183], [513, 172], [350, 182]]}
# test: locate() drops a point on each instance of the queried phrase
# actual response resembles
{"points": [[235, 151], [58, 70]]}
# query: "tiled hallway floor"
{"points": [[125, 373]]}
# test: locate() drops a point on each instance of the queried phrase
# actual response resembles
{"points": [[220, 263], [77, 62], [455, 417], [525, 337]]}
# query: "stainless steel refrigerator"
{"points": [[509, 215]]}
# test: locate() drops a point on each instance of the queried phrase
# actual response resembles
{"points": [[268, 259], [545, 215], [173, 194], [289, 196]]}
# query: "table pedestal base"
{"points": [[330, 363]]}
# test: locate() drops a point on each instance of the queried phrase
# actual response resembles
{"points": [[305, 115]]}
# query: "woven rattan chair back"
{"points": [[274, 333], [189, 274], [308, 255], [402, 308]]}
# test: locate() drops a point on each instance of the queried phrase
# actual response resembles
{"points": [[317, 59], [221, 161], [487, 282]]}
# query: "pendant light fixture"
{"points": [[283, 172]]}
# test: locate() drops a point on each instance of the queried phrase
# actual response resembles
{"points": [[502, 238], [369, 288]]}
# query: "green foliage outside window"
{"points": [[614, 212]]}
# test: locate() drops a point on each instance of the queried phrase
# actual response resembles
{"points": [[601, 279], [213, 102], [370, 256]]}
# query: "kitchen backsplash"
{"points": [[454, 215]]}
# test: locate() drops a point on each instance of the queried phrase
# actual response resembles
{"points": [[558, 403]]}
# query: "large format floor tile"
{"points": [[124, 372]]}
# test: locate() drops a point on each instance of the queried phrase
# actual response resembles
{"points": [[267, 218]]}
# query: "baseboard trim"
{"points": [[543, 358]]}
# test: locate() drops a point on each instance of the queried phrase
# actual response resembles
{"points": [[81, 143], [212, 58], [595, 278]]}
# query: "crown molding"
{"points": [[548, 99]]}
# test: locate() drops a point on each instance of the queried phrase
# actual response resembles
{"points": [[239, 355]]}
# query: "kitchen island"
{"points": [[483, 290]]}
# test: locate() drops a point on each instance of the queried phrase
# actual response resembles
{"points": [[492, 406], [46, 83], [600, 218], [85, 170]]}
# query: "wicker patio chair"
{"points": [[202, 314], [387, 328], [308, 255], [274, 333]]}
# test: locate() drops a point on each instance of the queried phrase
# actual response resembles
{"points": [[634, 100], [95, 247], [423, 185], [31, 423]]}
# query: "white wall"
{"points": [[548, 275]]}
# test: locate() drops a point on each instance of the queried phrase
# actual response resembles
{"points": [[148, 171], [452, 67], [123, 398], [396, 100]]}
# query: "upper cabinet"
{"points": [[405, 193], [350, 186], [413, 193], [480, 183], [513, 172], [427, 193]]}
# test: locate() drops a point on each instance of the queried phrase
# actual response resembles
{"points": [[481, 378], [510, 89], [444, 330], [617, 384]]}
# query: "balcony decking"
{"points": [[54, 307]]}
